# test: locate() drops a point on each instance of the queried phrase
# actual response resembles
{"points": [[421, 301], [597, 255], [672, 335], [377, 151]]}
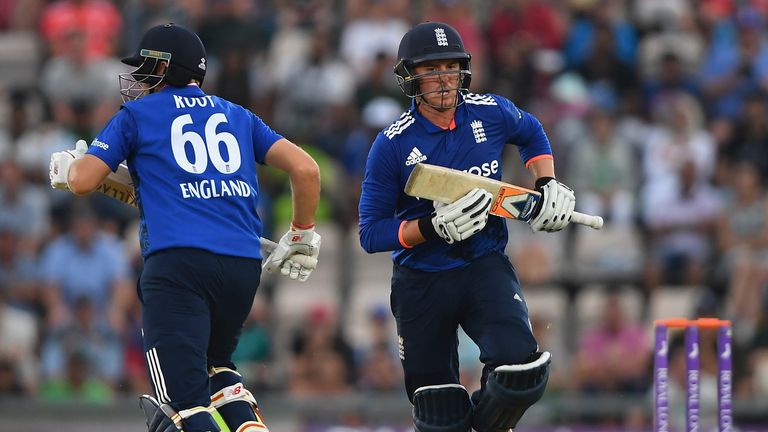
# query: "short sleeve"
{"points": [[115, 142], [263, 138]]}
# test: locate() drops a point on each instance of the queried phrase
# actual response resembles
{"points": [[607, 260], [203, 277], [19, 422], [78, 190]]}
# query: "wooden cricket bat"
{"points": [[119, 185], [446, 185]]}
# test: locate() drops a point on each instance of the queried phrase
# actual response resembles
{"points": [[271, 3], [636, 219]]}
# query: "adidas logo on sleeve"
{"points": [[415, 157]]}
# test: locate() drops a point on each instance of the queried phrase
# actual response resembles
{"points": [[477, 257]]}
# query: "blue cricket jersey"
{"points": [[192, 158], [482, 127]]}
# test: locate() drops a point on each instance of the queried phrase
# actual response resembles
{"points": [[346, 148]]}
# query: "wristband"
{"points": [[400, 236], [427, 229], [297, 226]]}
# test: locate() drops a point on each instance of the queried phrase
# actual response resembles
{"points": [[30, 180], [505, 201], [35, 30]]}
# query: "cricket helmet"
{"points": [[179, 47], [425, 42]]}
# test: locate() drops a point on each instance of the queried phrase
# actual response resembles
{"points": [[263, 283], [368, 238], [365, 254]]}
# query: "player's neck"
{"points": [[441, 118]]}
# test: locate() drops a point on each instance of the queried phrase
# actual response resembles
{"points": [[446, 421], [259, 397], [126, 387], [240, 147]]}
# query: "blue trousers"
{"points": [[484, 298], [194, 304]]}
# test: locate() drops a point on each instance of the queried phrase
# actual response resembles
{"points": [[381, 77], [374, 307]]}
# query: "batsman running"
{"points": [[192, 158], [450, 268]]}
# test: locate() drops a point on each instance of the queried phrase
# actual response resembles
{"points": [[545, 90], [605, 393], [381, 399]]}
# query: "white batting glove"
{"points": [[555, 207], [295, 255], [58, 169], [460, 219]]}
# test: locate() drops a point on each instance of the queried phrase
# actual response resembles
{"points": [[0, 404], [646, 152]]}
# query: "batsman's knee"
{"points": [[234, 402], [163, 418], [442, 408], [509, 391]]}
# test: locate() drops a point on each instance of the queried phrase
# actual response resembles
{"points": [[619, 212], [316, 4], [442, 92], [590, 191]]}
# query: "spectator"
{"points": [[603, 171], [378, 83], [100, 20], [379, 371], [18, 345], [513, 73], [19, 285], [736, 63], [742, 235], [677, 138], [23, 207], [584, 31], [85, 262], [85, 342], [536, 20], [78, 384], [377, 115], [749, 137], [613, 356], [680, 222], [377, 30], [671, 78], [19, 14], [10, 381], [18, 123], [323, 360], [317, 102], [72, 82], [605, 71]]}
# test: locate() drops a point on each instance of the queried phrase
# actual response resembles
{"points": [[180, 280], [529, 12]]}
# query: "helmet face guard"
{"points": [[143, 79], [179, 48], [432, 41], [410, 84]]}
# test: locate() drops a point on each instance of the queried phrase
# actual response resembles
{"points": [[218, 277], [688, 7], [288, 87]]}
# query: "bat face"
{"points": [[119, 185], [515, 203], [447, 185]]}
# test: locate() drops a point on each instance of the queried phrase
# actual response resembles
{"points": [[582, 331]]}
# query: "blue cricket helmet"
{"points": [[178, 46]]}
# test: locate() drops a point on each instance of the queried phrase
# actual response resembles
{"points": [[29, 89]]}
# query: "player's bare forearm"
{"points": [[86, 174], [543, 167], [304, 175], [305, 188], [411, 233]]}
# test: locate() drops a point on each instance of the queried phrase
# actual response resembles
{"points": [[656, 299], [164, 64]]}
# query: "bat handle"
{"points": [[595, 222]]}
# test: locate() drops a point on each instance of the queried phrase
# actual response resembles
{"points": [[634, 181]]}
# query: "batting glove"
{"points": [[58, 169], [295, 255], [460, 219], [554, 210]]}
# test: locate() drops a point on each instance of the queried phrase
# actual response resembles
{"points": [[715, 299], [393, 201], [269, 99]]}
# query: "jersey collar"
{"points": [[458, 118], [190, 90]]}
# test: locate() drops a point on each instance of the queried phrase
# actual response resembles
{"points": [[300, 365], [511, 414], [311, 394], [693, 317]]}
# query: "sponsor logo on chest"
{"points": [[415, 157]]}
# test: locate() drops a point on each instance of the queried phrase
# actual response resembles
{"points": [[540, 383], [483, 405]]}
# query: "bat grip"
{"points": [[591, 221]]}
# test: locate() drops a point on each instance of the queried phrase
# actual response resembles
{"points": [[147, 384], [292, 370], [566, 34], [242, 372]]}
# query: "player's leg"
{"points": [[231, 305], [426, 309], [176, 329], [515, 375]]}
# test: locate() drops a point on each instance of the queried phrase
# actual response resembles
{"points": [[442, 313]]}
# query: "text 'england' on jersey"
{"points": [[483, 126], [193, 159]]}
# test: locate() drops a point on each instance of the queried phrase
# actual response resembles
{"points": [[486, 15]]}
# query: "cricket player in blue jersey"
{"points": [[450, 268], [192, 158]]}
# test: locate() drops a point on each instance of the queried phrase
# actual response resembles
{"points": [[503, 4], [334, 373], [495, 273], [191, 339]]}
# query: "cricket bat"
{"points": [[446, 185], [119, 185]]}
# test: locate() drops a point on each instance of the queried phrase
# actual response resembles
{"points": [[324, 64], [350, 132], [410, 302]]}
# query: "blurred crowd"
{"points": [[656, 109]]}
